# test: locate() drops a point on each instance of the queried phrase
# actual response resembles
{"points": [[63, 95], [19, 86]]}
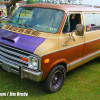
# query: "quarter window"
{"points": [[97, 19], [90, 22]]}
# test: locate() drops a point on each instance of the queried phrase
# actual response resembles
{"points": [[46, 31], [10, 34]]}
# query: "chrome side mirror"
{"points": [[79, 30]]}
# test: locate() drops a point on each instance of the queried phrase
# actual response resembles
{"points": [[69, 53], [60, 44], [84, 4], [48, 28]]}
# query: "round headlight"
{"points": [[33, 63]]}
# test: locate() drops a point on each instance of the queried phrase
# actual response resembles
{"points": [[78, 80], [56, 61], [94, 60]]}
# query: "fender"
{"points": [[46, 70]]}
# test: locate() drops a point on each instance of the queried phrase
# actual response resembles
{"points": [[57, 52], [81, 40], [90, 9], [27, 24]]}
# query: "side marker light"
{"points": [[46, 61]]}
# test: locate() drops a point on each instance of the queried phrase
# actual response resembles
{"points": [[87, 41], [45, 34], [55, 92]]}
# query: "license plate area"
{"points": [[6, 67]]}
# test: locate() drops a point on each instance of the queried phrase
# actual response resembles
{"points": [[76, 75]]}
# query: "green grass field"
{"points": [[82, 83]]}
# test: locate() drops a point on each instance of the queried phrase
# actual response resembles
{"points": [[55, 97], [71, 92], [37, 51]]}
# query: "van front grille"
{"points": [[12, 56]]}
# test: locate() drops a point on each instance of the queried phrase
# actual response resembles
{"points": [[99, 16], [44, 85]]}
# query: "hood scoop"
{"points": [[20, 41], [11, 37]]}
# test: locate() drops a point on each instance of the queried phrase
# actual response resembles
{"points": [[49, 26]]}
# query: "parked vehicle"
{"points": [[42, 42]]}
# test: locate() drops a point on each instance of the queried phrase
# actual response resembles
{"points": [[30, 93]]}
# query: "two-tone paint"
{"points": [[54, 46]]}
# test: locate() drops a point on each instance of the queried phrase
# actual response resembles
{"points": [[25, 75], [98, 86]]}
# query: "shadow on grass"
{"points": [[83, 67], [11, 82]]}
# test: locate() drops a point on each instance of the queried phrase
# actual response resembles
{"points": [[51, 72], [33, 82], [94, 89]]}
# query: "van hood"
{"points": [[20, 41]]}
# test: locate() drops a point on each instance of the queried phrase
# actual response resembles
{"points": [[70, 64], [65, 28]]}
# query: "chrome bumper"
{"points": [[30, 74], [22, 72]]}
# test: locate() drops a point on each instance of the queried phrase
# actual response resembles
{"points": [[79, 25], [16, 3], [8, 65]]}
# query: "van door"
{"points": [[92, 34], [71, 48]]}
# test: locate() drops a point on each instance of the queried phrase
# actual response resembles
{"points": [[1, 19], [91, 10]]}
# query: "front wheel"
{"points": [[54, 80]]}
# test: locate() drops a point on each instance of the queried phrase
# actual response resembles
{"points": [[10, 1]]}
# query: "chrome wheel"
{"points": [[57, 79]]}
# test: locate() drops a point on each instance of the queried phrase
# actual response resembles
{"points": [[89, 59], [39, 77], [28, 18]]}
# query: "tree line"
{"points": [[12, 4]]}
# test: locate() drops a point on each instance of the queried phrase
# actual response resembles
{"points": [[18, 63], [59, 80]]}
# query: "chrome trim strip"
{"points": [[61, 49], [68, 47], [10, 62], [15, 49], [71, 46], [93, 40], [14, 70], [12, 52], [49, 53], [68, 65], [11, 57], [84, 58], [39, 63]]}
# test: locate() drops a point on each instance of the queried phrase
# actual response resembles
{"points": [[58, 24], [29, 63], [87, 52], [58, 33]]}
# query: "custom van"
{"points": [[42, 42]]}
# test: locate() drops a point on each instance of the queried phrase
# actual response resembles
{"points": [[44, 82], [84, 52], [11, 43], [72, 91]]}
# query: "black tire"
{"points": [[1, 68], [54, 80]]}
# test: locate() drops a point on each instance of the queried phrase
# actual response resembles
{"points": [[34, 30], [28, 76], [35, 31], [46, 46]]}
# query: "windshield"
{"points": [[41, 19]]}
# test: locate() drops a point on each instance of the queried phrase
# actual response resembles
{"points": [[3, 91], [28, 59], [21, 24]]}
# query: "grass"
{"points": [[82, 83], [3, 22]]}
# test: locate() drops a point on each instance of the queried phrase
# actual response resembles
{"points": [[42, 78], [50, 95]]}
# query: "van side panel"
{"points": [[53, 60]]}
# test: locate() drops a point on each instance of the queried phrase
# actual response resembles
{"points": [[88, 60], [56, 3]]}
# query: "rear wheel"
{"points": [[54, 80]]}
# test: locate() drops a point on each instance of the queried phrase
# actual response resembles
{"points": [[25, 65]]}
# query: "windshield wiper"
{"points": [[10, 22], [29, 27]]}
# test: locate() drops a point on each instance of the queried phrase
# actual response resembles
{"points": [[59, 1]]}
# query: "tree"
{"points": [[80, 2], [73, 1], [37, 1], [0, 2], [30, 1], [66, 1], [70, 1], [11, 6]]}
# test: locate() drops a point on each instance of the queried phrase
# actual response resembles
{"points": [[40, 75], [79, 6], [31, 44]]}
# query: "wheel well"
{"points": [[64, 64]]}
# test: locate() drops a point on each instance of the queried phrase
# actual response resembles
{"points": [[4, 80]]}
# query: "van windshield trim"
{"points": [[39, 19]]}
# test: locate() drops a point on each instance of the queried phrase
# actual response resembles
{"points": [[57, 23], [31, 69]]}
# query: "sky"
{"points": [[92, 2]]}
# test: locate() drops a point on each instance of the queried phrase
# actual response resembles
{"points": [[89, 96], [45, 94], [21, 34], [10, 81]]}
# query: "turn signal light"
{"points": [[24, 59], [46, 61]]}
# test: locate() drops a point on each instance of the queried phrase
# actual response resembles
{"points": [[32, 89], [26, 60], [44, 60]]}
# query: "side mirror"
{"points": [[79, 30]]}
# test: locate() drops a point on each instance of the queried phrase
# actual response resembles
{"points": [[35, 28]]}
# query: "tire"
{"points": [[54, 80], [1, 68]]}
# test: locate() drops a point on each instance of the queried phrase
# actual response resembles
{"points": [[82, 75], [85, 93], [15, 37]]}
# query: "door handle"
{"points": [[82, 36], [64, 45]]}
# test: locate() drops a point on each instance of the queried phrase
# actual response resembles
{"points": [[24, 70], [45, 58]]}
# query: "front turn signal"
{"points": [[24, 59], [46, 61]]}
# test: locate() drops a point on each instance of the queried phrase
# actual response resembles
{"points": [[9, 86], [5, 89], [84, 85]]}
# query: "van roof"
{"points": [[64, 7]]}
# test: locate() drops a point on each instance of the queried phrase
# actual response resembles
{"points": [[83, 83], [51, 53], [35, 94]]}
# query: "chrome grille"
{"points": [[12, 56]]}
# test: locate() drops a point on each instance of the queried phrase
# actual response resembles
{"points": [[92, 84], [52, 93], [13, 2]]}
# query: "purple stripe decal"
{"points": [[28, 43]]}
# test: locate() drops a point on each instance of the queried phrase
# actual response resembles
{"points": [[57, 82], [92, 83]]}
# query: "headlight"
{"points": [[33, 63]]}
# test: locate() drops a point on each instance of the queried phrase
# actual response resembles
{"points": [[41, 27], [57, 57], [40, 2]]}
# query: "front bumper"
{"points": [[22, 72], [30, 74]]}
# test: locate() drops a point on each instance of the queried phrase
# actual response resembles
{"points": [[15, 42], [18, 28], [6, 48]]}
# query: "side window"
{"points": [[90, 22], [66, 26], [71, 22], [97, 20]]}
